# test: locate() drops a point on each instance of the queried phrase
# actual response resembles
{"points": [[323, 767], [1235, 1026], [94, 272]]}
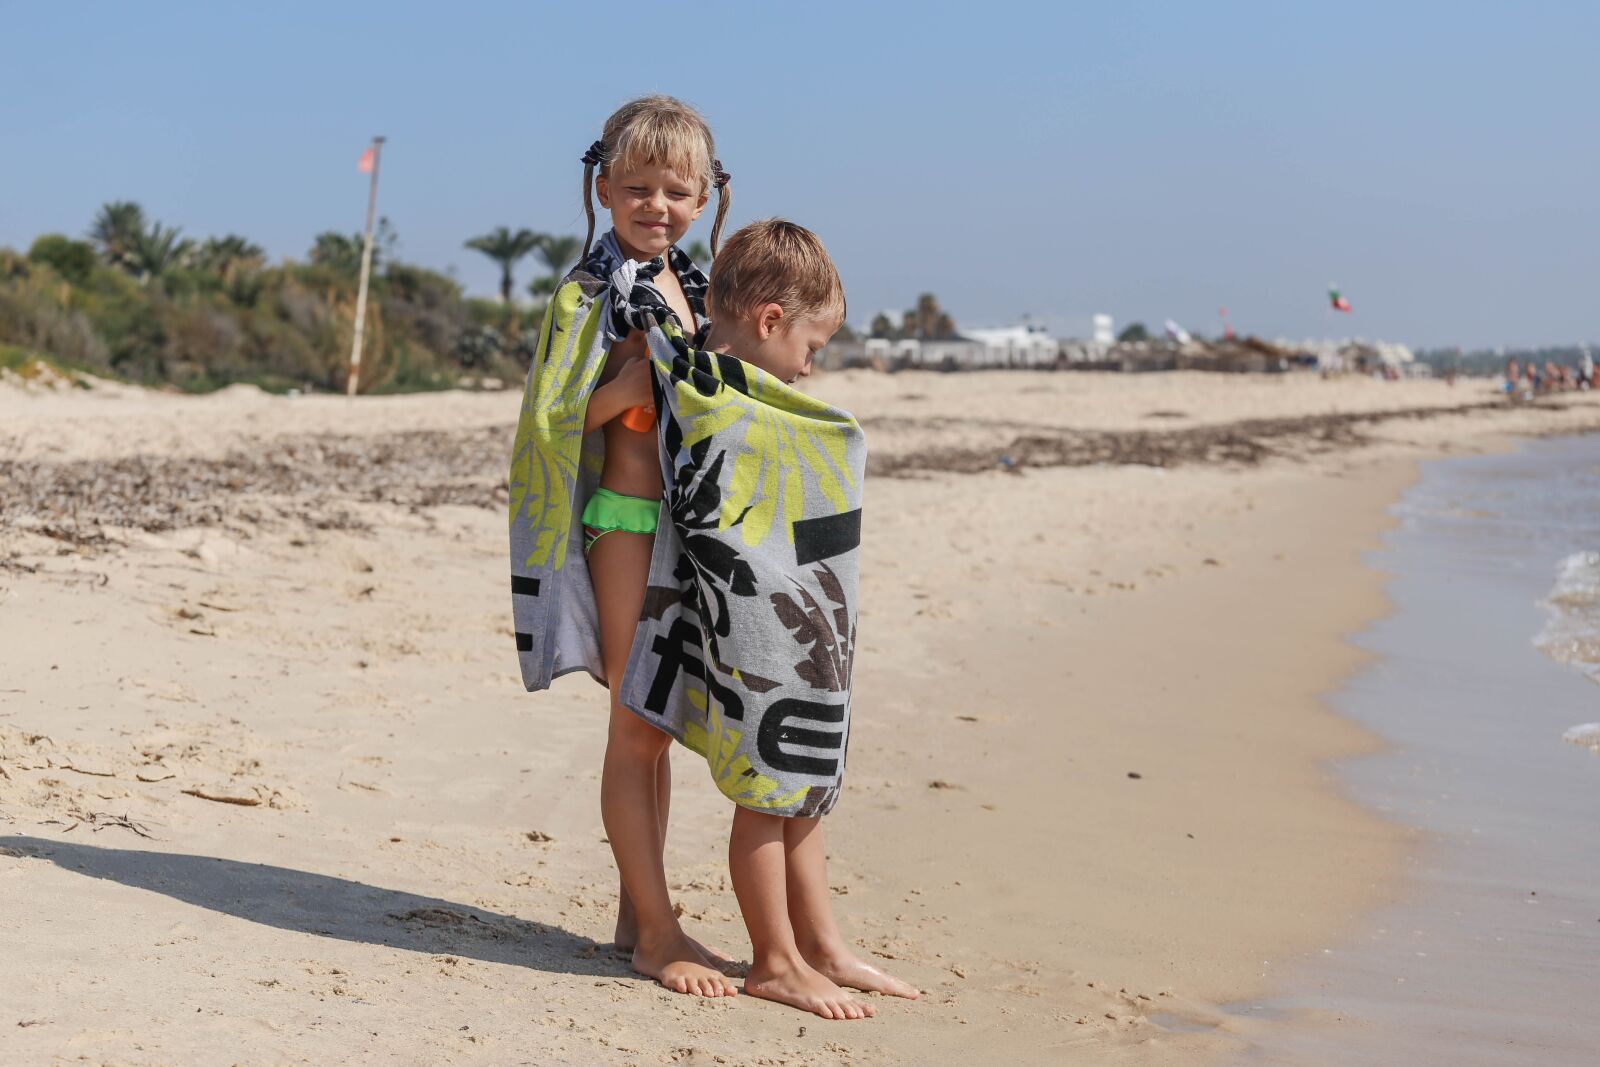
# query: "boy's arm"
{"points": [[629, 389]]}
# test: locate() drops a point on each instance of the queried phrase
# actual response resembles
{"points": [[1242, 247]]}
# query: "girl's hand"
{"points": [[632, 384]]}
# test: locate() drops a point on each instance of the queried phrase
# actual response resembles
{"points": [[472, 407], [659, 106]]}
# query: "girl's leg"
{"points": [[757, 862], [619, 565], [627, 933], [811, 914]]}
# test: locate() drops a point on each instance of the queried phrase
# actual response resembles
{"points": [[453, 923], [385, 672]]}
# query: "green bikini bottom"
{"points": [[607, 512]]}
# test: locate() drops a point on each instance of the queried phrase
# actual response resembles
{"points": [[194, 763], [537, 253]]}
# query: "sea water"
{"points": [[1483, 685]]}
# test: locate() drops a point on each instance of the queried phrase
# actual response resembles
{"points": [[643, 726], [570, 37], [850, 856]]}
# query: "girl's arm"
{"points": [[629, 389]]}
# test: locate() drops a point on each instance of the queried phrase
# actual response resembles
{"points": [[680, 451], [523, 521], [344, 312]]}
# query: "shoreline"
{"points": [[357, 682], [1483, 956]]}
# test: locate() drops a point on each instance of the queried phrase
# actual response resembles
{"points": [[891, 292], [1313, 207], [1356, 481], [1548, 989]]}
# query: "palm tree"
{"points": [[160, 248], [225, 254], [927, 317], [559, 253], [230, 258], [118, 231], [698, 252], [338, 251], [505, 248]]}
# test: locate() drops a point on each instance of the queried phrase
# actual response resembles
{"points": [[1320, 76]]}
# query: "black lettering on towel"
{"points": [[676, 650], [776, 731], [827, 536], [524, 586]]}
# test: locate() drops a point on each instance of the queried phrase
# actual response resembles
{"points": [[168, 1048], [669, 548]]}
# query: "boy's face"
{"points": [[785, 347], [651, 207]]}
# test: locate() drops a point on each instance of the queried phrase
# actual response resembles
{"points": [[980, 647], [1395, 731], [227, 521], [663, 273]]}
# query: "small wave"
{"points": [[1587, 735], [1572, 633]]}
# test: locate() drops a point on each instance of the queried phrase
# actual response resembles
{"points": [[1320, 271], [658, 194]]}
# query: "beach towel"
{"points": [[747, 639]]}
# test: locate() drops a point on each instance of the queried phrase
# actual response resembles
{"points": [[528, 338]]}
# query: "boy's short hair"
{"points": [[775, 262]]}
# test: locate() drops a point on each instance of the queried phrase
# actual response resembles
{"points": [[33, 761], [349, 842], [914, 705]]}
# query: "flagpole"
{"points": [[366, 271]]}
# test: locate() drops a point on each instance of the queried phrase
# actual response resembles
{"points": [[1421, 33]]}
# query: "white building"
{"points": [[1015, 346]]}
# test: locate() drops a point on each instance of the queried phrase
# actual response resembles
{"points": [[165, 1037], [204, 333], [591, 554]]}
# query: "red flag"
{"points": [[1338, 301], [365, 166]]}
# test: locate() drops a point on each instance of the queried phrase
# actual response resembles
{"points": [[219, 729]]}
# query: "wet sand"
{"points": [[1088, 808]]}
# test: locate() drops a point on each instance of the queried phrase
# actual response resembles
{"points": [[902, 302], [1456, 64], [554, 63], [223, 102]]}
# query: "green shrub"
{"points": [[73, 260], [205, 315]]}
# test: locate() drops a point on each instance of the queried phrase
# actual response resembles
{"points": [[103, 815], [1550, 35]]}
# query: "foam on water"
{"points": [[1587, 735], [1571, 632]]}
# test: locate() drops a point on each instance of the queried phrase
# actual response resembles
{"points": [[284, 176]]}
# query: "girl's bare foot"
{"points": [[801, 986], [626, 940], [678, 965], [847, 969]]}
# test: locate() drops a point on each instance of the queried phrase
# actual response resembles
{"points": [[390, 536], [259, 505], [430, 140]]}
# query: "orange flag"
{"points": [[365, 166]]}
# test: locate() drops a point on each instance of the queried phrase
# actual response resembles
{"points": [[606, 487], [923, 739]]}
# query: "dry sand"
{"points": [[270, 791]]}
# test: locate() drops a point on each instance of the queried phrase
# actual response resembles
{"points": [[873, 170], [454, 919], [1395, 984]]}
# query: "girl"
{"points": [[653, 168]]}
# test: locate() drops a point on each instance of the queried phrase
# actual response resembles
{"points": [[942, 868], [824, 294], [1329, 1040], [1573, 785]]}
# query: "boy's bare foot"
{"points": [[801, 986], [848, 969], [679, 966]]}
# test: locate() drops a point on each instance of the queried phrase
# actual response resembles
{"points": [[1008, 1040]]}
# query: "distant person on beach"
{"points": [[1586, 371], [1513, 376]]}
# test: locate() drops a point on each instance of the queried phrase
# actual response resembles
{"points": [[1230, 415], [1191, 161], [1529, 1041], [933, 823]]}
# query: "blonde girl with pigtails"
{"points": [[586, 486]]}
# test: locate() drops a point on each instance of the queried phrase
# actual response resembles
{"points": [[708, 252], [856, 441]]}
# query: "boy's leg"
{"points": [[757, 862], [619, 565], [811, 913]]}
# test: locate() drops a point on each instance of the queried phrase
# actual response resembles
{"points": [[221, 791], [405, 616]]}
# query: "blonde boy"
{"points": [[776, 299]]}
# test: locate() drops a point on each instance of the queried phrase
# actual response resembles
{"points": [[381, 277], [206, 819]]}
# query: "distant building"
{"points": [[1015, 346], [1103, 326], [1009, 346]]}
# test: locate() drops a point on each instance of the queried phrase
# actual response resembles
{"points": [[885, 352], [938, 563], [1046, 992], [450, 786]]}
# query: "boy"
{"points": [[776, 299]]}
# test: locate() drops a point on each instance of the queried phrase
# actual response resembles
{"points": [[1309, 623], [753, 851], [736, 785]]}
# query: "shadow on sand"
{"points": [[332, 907]]}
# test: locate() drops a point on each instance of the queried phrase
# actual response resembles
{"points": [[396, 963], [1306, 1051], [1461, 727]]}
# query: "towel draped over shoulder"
{"points": [[745, 646]]}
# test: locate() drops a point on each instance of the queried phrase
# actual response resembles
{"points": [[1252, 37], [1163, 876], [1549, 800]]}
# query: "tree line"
{"points": [[136, 299]]}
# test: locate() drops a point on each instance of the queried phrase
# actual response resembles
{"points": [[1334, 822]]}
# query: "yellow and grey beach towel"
{"points": [[745, 647]]}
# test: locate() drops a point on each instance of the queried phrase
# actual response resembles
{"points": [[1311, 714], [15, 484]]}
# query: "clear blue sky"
{"points": [[1438, 161]]}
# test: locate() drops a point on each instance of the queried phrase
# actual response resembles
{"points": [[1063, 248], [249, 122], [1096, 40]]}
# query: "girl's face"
{"points": [[651, 208]]}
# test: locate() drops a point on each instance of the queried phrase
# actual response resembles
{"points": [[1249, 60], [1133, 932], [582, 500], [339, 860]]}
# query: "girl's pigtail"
{"points": [[591, 159], [720, 179]]}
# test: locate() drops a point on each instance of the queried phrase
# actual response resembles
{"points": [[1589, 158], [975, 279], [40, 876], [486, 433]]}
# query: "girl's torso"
{"points": [[632, 466]]}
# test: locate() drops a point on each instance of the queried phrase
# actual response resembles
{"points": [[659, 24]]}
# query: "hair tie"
{"points": [[596, 154], [719, 177]]}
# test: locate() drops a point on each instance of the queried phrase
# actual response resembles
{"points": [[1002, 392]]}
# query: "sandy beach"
{"points": [[271, 792]]}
